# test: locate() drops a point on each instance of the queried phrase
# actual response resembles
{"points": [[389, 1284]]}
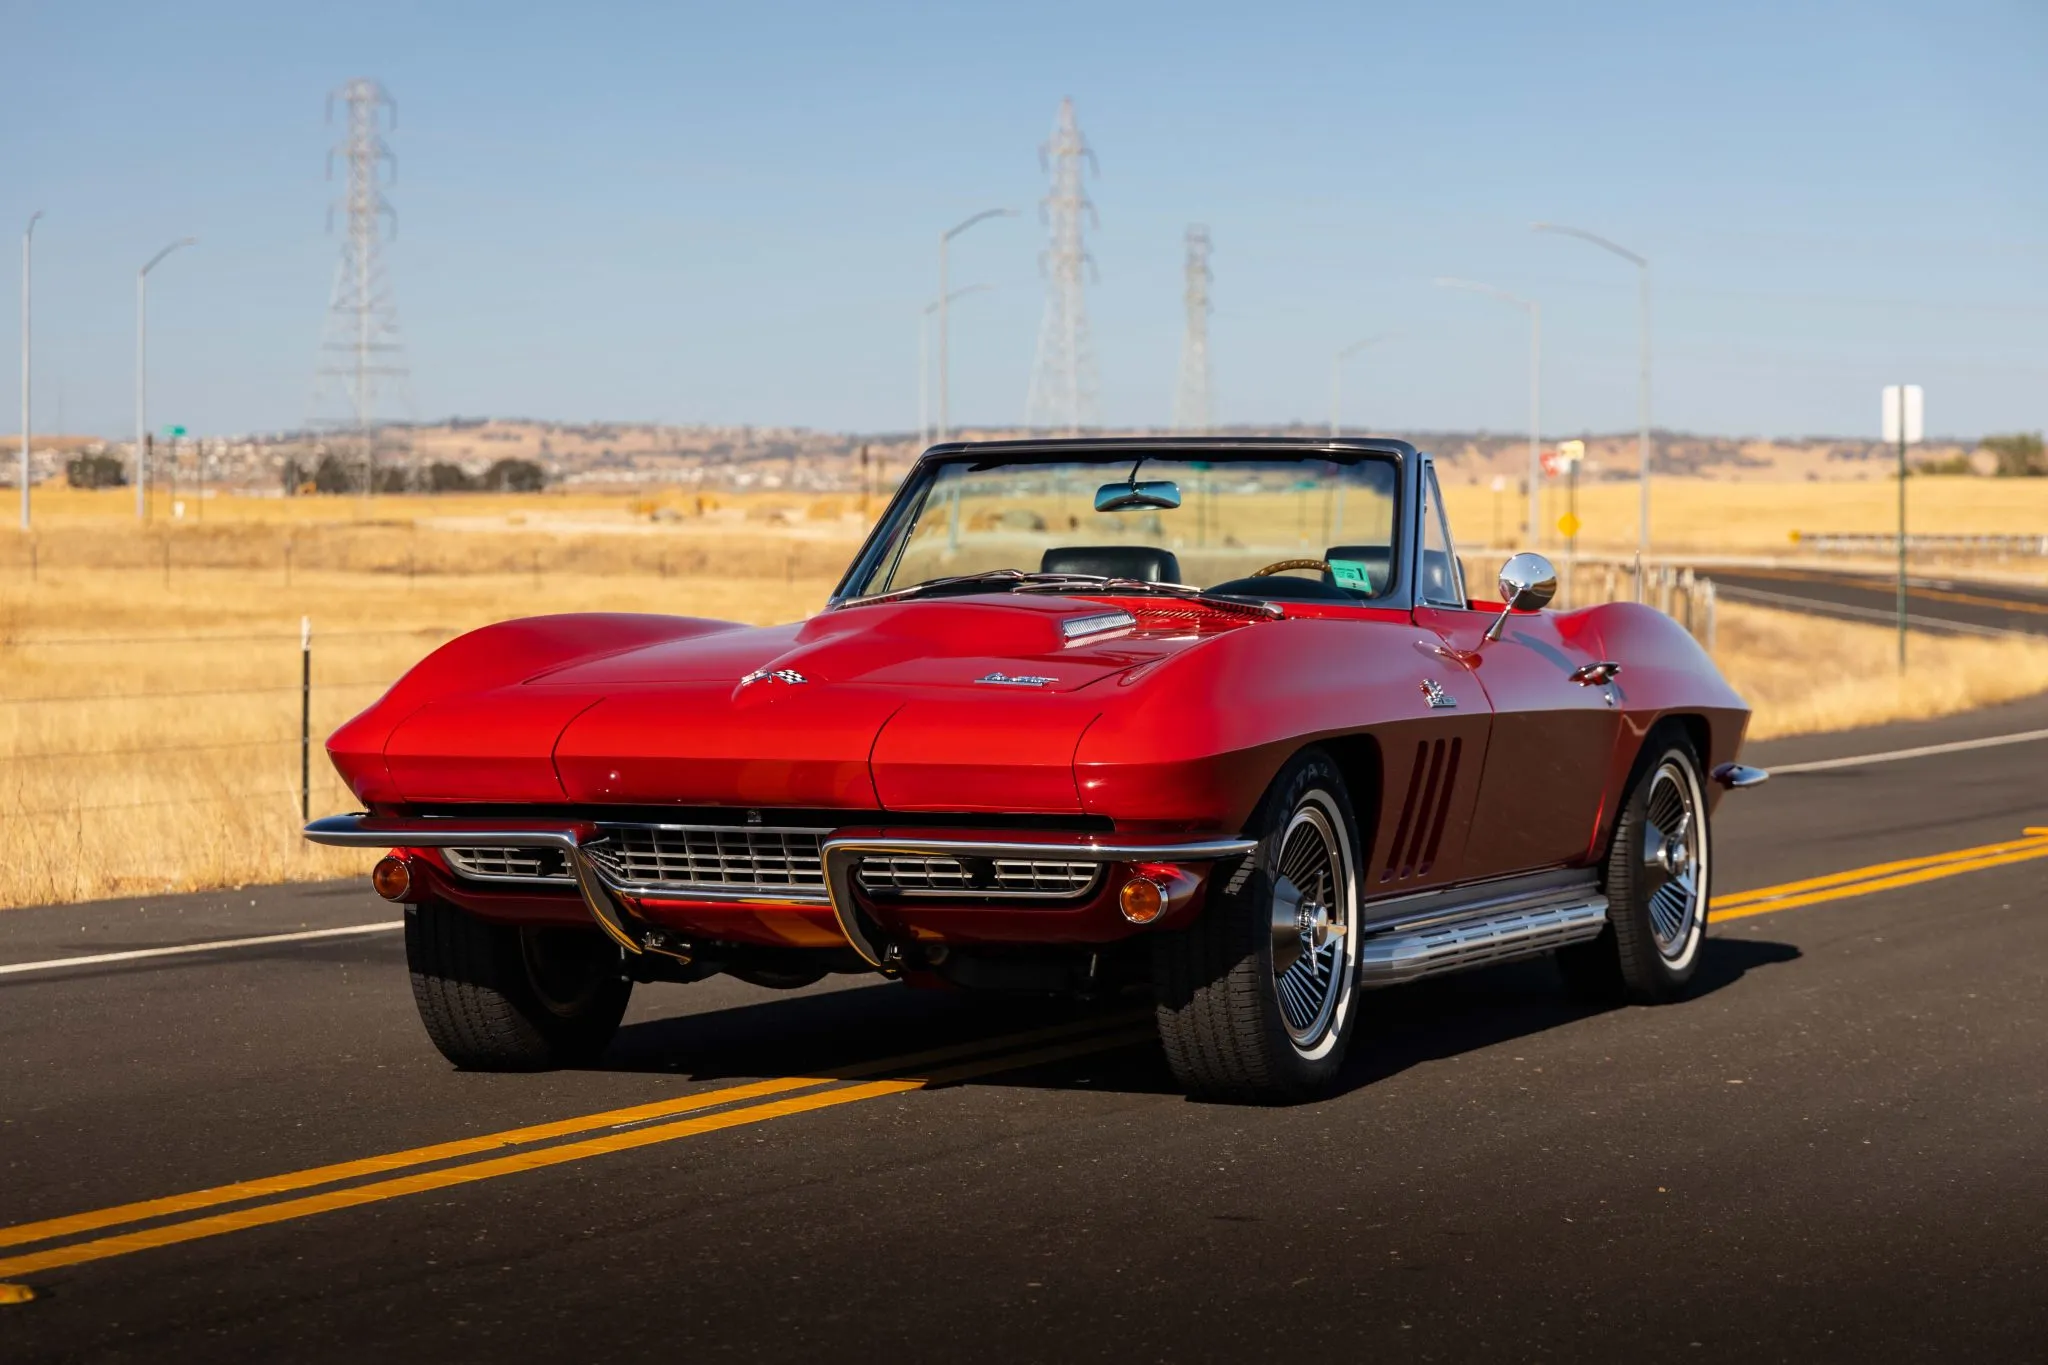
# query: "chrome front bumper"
{"points": [[378, 831], [842, 854]]}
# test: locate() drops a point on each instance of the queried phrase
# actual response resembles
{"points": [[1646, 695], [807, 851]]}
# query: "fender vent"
{"points": [[1420, 832]]}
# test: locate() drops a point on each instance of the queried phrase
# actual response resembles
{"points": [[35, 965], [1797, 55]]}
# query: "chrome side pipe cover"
{"points": [[1512, 925], [1736, 777]]}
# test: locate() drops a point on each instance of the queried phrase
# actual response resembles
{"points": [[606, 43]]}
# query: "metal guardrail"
{"points": [[1883, 542]]}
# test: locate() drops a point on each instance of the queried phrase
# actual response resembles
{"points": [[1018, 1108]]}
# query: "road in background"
{"points": [[1953, 605], [1830, 1152]]}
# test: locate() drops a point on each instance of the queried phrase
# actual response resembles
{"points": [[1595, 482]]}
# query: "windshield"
{"points": [[1234, 518]]}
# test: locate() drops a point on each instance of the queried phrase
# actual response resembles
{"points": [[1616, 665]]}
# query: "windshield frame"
{"points": [[916, 485]]}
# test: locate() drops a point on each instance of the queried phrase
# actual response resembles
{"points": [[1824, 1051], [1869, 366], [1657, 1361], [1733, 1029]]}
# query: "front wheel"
{"points": [[499, 997], [1656, 884], [1255, 998]]}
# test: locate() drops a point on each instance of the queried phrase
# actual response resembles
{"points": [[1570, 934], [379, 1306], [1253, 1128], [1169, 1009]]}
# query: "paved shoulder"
{"points": [[134, 923]]}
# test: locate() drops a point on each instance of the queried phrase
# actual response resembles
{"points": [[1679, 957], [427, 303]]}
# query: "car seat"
{"points": [[1145, 563]]}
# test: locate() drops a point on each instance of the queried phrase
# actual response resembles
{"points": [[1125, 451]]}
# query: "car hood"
{"points": [[960, 704]]}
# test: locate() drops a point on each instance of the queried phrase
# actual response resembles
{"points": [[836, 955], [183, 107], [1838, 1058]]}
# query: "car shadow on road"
{"points": [[1450, 1016], [1406, 1026], [846, 1031]]}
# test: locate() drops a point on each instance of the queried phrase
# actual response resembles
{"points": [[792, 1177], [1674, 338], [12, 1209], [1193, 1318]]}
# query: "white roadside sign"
{"points": [[1915, 414]]}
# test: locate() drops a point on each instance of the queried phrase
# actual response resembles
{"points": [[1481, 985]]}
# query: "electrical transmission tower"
{"points": [[359, 347], [1191, 403], [1063, 378]]}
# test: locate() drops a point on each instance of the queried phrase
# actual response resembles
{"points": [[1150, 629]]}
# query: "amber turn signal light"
{"points": [[1142, 899], [391, 878]]}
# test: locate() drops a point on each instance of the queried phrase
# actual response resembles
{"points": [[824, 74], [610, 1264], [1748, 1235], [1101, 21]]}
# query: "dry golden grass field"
{"points": [[149, 679]]}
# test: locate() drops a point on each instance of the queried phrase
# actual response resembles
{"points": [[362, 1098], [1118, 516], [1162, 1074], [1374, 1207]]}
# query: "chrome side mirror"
{"points": [[1527, 583]]}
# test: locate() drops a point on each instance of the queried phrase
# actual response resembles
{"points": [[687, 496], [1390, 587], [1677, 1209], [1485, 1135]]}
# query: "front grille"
{"points": [[912, 875], [728, 859], [509, 864]]}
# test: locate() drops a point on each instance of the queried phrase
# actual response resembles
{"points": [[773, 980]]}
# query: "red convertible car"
{"points": [[1213, 716]]}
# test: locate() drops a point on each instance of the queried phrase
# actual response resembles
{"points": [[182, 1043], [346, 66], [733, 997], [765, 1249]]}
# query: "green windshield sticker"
{"points": [[1349, 573]]}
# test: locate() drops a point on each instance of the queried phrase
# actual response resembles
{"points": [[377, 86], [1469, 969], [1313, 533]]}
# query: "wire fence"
{"points": [[393, 551], [297, 741], [69, 810]]}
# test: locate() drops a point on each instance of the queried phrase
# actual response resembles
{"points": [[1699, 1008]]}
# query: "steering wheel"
{"points": [[1319, 565]]}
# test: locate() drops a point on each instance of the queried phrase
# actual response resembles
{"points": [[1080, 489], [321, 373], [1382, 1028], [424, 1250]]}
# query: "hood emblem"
{"points": [[1433, 692], [1023, 680], [781, 675]]}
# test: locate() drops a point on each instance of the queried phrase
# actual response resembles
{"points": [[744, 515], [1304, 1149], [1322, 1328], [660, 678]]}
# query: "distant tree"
{"points": [[448, 478], [2019, 455], [95, 471], [515, 476], [334, 475]]}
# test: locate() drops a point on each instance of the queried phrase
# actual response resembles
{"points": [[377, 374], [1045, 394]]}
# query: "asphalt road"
{"points": [[1937, 604], [1832, 1151]]}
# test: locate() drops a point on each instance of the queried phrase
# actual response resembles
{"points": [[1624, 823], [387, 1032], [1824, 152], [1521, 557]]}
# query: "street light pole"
{"points": [[945, 240], [1642, 266], [142, 373], [27, 238], [1337, 377], [924, 364], [1535, 312]]}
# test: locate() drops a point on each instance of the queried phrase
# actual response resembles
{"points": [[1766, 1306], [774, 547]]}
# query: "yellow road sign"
{"points": [[1568, 525]]}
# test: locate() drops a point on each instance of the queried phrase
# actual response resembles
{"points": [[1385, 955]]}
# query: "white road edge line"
{"points": [[1924, 751], [218, 945], [1817, 607]]}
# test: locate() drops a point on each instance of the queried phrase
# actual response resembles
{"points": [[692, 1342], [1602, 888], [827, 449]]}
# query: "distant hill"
{"points": [[633, 454]]}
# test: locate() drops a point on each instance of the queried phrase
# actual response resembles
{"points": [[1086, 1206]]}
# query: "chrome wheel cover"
{"points": [[1675, 860], [1314, 951]]}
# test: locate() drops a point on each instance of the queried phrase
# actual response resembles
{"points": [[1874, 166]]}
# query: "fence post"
{"points": [[305, 717], [287, 563], [1712, 596]]}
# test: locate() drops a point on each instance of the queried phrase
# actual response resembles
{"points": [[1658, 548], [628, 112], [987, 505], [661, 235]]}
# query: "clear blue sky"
{"points": [[726, 213]]}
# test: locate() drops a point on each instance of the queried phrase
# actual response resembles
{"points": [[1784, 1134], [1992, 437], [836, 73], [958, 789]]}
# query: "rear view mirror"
{"points": [[1527, 583], [1121, 497]]}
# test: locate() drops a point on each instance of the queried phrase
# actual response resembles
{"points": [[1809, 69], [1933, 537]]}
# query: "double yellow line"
{"points": [[538, 1145], [1881, 877]]}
